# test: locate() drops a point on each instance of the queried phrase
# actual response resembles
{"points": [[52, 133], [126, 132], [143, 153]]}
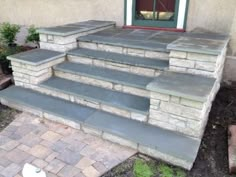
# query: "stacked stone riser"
{"points": [[90, 103], [116, 66], [104, 84], [124, 50], [181, 114], [33, 74], [199, 64], [64, 43], [103, 134]]}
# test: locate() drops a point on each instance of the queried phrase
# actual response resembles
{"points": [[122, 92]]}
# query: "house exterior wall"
{"points": [[57, 12]]}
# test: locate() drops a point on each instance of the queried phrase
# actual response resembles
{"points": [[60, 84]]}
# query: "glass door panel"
{"points": [[156, 13]]}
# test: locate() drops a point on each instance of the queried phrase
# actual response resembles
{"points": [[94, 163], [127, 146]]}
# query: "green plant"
{"points": [[180, 173], [33, 35], [166, 171], [142, 169], [8, 33]]}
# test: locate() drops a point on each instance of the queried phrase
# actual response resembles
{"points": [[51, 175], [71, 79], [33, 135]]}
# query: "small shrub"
{"points": [[8, 33], [166, 171], [33, 35], [141, 169]]}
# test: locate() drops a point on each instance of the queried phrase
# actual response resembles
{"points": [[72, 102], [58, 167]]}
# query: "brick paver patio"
{"points": [[59, 150]]}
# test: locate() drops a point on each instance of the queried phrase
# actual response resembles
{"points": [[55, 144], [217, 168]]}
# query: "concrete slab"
{"points": [[36, 56], [106, 74], [183, 85], [98, 94], [121, 58]]}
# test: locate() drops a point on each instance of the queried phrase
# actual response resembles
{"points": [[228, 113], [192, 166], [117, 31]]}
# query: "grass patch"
{"points": [[165, 171], [142, 169]]}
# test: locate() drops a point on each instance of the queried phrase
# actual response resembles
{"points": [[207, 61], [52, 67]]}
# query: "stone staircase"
{"points": [[148, 90]]}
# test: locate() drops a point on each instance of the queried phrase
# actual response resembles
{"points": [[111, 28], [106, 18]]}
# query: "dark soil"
{"points": [[212, 160], [7, 115]]}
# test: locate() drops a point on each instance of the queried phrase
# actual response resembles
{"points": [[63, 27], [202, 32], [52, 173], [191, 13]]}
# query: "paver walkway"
{"points": [[59, 150]]}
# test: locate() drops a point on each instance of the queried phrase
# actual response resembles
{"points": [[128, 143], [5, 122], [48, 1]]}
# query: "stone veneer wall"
{"points": [[64, 43], [184, 115], [199, 64], [29, 75]]}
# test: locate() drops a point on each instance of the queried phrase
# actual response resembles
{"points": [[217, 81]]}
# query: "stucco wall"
{"points": [[55, 12], [214, 15]]}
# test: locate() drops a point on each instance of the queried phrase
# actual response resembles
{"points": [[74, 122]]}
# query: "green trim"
{"points": [[125, 11], [152, 23], [186, 14]]}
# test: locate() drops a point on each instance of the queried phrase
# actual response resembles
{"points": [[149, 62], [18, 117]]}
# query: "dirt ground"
{"points": [[212, 160], [7, 115]]}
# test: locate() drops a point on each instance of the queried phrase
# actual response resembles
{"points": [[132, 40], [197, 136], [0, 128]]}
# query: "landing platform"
{"points": [[160, 41]]}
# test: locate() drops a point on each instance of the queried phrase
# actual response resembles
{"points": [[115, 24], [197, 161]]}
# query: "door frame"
{"points": [[178, 23]]}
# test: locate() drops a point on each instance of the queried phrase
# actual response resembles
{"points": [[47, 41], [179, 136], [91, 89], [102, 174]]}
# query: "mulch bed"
{"points": [[212, 160], [7, 115]]}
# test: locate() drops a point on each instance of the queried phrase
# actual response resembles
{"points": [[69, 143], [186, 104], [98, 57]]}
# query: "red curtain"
{"points": [[162, 5]]}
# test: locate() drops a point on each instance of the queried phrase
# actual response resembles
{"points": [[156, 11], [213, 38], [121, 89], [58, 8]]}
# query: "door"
{"points": [[155, 13]]}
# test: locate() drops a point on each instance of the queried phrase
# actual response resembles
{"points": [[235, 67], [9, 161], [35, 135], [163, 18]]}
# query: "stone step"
{"points": [[103, 77], [64, 38], [167, 145], [132, 42], [119, 103], [128, 63]]}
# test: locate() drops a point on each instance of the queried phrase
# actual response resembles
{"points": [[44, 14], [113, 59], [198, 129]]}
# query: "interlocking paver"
{"points": [[90, 172], [40, 163], [55, 166], [9, 145], [51, 136], [11, 170], [17, 156], [40, 151], [59, 150], [69, 157], [69, 171], [84, 163]]}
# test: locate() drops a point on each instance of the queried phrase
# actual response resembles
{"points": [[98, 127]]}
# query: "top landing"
{"points": [[198, 42], [75, 28]]}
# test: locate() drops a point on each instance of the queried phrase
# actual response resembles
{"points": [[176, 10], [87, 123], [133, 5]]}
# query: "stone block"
{"points": [[160, 96], [206, 66], [119, 140], [88, 45], [135, 52], [82, 60], [182, 63], [202, 57], [110, 48], [177, 69], [91, 131], [99, 63], [232, 148], [58, 47], [178, 54], [142, 71], [136, 91], [157, 55], [191, 103], [116, 111], [181, 110], [159, 115], [175, 99], [139, 117], [117, 66]]}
